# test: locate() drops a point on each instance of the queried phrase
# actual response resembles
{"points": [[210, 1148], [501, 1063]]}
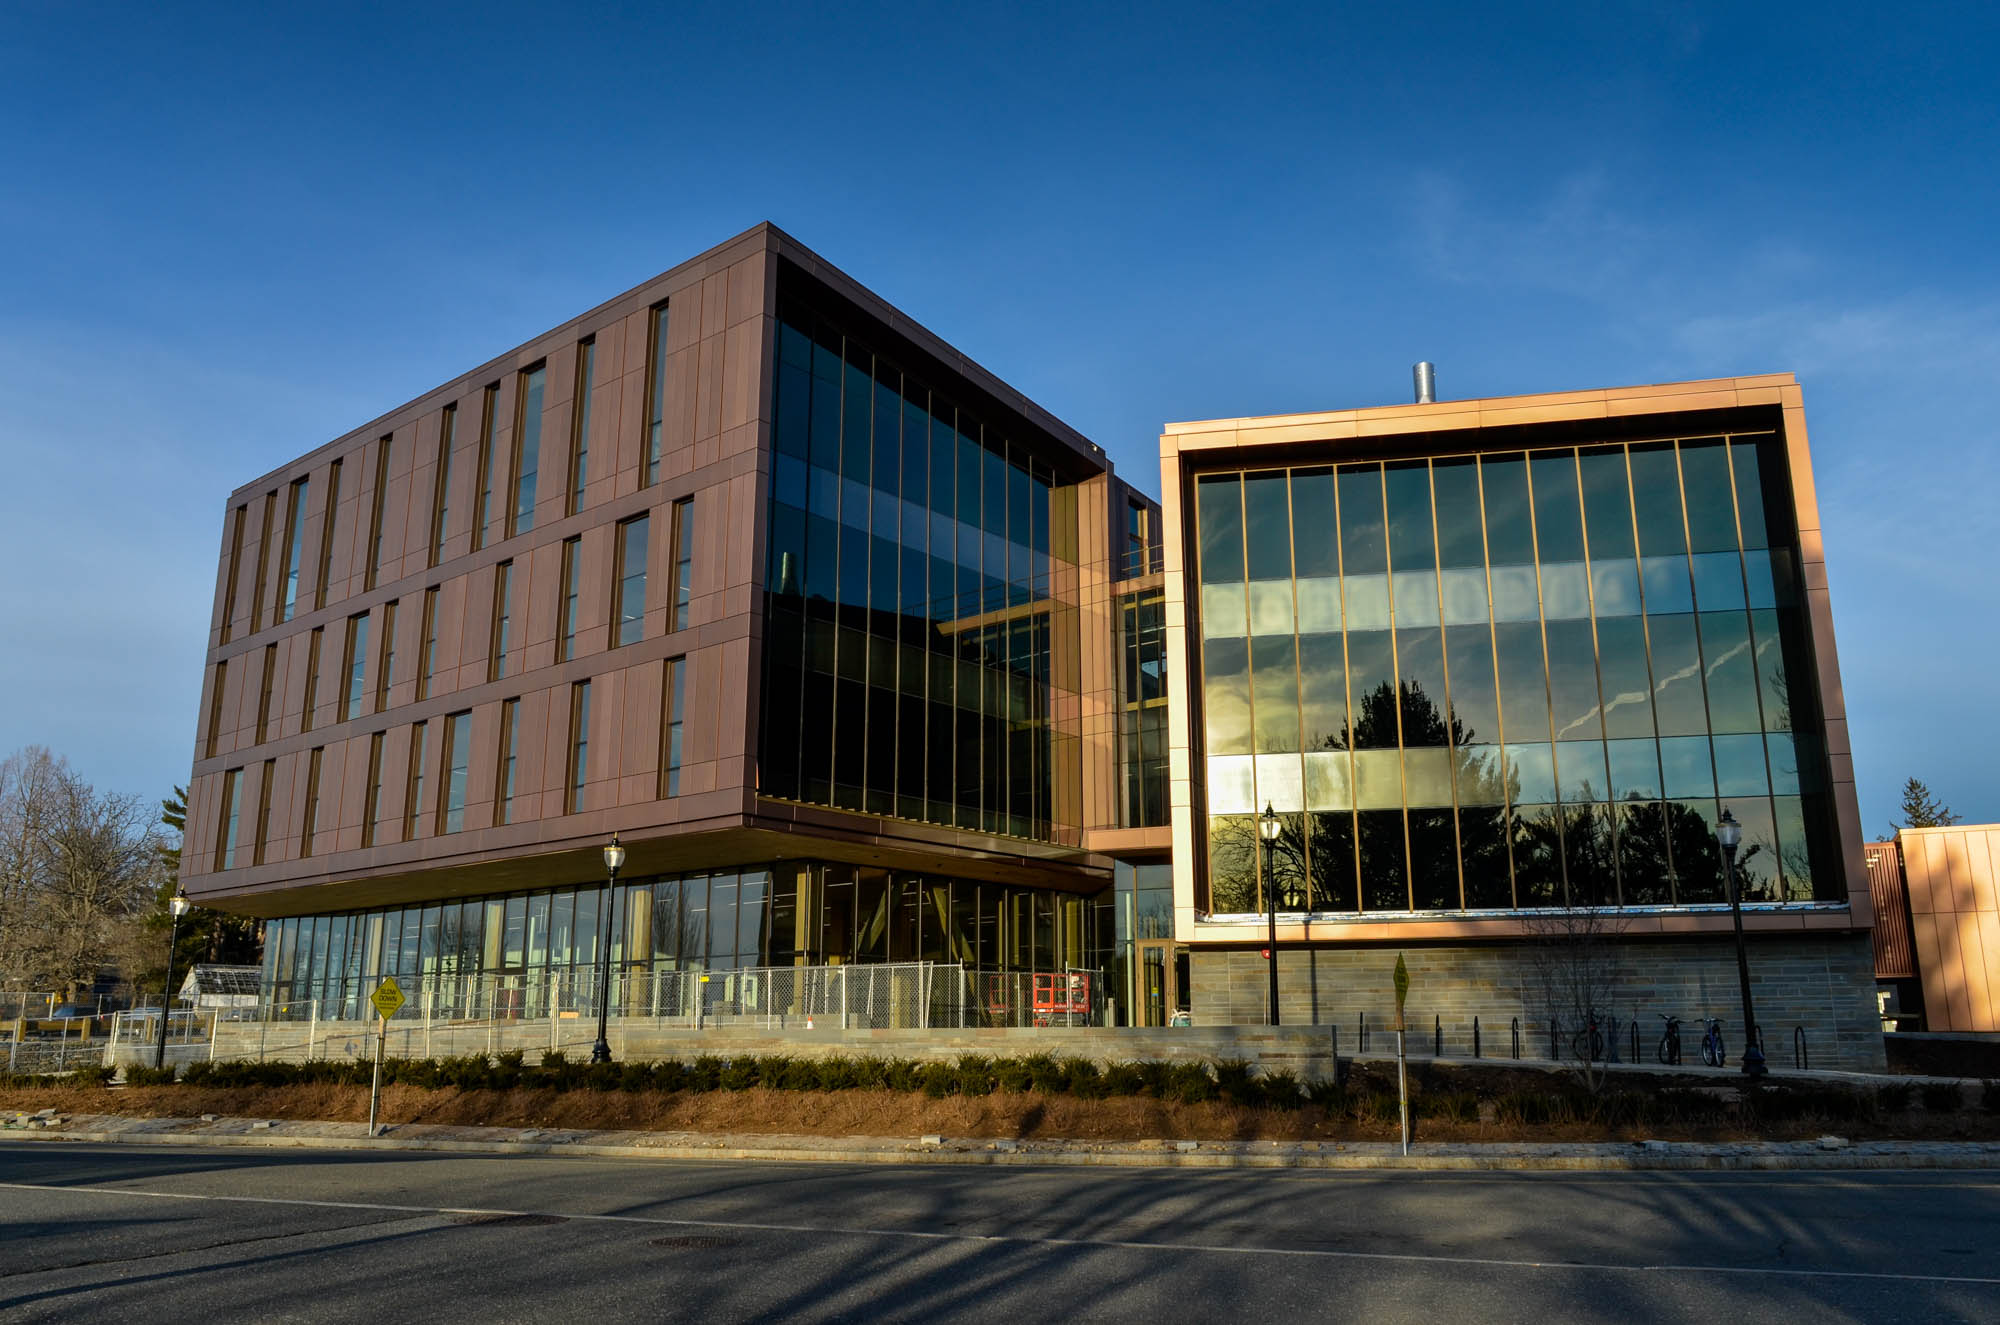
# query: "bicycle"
{"points": [[1712, 1050], [1588, 1043], [1670, 1041]]}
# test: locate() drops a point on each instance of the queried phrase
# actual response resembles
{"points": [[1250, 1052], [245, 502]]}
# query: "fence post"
{"points": [[1515, 1031], [312, 1031], [1363, 1036], [1800, 1059], [1475, 1036], [1437, 1035], [555, 1000], [1555, 1038]]}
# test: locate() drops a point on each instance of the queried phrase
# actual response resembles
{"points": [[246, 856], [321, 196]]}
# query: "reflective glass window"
{"points": [[1226, 695], [1363, 548], [1678, 704], [1623, 678], [1222, 611], [1510, 530], [1565, 591], [1318, 605], [1711, 508], [1614, 588], [1731, 674], [1580, 772], [1656, 480], [1219, 509], [1460, 531], [1322, 692], [1684, 764], [1315, 526], [1516, 596], [1739, 766], [1275, 693], [1531, 772], [1366, 605], [1267, 525], [1607, 503], [1371, 689], [1635, 770]]}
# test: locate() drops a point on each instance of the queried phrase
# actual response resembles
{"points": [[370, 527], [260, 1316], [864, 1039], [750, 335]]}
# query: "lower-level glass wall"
{"points": [[545, 945]]}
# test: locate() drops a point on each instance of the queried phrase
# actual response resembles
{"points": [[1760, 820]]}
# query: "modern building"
{"points": [[1937, 934], [743, 566], [866, 658]]}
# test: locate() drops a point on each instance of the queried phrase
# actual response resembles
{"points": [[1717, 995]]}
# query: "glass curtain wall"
{"points": [[907, 653], [1142, 625], [811, 914], [1511, 680]]}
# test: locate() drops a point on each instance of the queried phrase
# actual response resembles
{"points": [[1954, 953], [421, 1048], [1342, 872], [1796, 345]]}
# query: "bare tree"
{"points": [[79, 868], [1573, 964]]}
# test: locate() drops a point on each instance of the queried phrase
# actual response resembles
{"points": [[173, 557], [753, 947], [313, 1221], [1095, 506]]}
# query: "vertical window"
{"points": [[263, 812], [579, 448], [264, 693], [313, 642], [235, 562], [683, 584], [427, 646], [215, 709], [503, 787], [375, 511], [263, 565], [225, 837], [527, 449], [457, 760], [482, 515], [628, 625], [326, 535], [385, 673], [373, 806], [566, 606], [354, 665], [441, 496], [309, 825], [503, 613], [1136, 539], [672, 707], [295, 539], [579, 746], [413, 788], [656, 393]]}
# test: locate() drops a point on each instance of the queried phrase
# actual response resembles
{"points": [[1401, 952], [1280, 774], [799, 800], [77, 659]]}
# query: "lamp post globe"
{"points": [[1729, 836], [1269, 825], [614, 860], [177, 907]]}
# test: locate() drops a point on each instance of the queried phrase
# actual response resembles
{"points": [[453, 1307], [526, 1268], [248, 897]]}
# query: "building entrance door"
{"points": [[1162, 977]]}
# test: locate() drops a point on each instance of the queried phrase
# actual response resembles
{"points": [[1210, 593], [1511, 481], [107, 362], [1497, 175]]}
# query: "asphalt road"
{"points": [[115, 1233]]}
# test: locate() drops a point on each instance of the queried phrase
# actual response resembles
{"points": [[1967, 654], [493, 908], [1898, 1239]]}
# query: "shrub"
{"points": [[150, 1076], [837, 1072], [1235, 1084], [1123, 1079], [1082, 1079], [1282, 1090], [1450, 1106], [1523, 1108], [1329, 1095], [975, 1075], [1188, 1083], [899, 1074], [94, 1075], [1941, 1097], [739, 1074], [1046, 1074], [704, 1073], [557, 1072], [1012, 1074], [1895, 1098], [939, 1079], [1379, 1106]]}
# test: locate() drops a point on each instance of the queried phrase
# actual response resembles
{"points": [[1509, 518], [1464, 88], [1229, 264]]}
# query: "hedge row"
{"points": [[1229, 1081]]}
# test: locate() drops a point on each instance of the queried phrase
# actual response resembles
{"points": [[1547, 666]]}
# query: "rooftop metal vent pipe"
{"points": [[1426, 376]]}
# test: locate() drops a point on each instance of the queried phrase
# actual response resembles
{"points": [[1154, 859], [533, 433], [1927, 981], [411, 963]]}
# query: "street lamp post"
{"points": [[178, 907], [614, 860], [1268, 827], [1728, 835]]}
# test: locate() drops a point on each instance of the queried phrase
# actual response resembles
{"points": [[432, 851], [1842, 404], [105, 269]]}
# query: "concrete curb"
{"points": [[1440, 1156]]}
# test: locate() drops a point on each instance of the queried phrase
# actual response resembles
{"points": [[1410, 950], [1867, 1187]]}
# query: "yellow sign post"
{"points": [[388, 999]]}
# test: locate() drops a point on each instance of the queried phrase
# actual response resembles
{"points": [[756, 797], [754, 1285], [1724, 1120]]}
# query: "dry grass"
{"points": [[888, 1113]]}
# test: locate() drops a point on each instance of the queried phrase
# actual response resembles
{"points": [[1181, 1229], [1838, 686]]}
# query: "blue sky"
{"points": [[232, 236]]}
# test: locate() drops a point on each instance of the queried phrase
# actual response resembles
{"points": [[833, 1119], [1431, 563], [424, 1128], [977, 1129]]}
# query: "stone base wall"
{"points": [[1824, 983]]}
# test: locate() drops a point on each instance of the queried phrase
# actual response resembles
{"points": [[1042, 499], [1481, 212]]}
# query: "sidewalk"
{"points": [[1825, 1154]]}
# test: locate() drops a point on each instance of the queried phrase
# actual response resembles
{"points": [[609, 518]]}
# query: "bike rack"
{"points": [[1800, 1060], [1517, 1037]]}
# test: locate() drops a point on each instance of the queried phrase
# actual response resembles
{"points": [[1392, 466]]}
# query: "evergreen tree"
{"points": [[1921, 809]]}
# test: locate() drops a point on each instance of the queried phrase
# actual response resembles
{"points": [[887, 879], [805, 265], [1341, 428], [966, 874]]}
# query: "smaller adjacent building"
{"points": [[1937, 928]]}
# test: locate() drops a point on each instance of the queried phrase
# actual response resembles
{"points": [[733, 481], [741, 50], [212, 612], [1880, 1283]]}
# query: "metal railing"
{"points": [[35, 1057]]}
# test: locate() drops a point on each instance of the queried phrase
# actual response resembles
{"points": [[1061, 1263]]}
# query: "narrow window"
{"points": [[482, 515], [671, 710], [441, 498], [656, 393], [566, 606], [683, 585], [313, 642], [326, 535], [235, 562], [457, 761], [310, 824], [503, 612], [413, 789], [373, 806], [629, 619], [295, 544], [579, 448], [264, 693], [354, 665], [225, 838], [503, 790], [579, 746], [427, 648], [263, 812], [375, 511], [215, 709], [527, 448], [263, 565], [387, 670]]}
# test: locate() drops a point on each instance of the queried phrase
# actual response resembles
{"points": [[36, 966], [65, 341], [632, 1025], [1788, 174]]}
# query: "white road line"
{"points": [[1485, 1262]]}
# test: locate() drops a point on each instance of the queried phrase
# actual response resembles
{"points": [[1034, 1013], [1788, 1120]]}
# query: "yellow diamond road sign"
{"points": [[388, 996]]}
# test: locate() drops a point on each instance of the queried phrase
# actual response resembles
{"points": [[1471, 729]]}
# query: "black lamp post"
{"points": [[1728, 835], [614, 860], [1268, 827], [177, 908]]}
